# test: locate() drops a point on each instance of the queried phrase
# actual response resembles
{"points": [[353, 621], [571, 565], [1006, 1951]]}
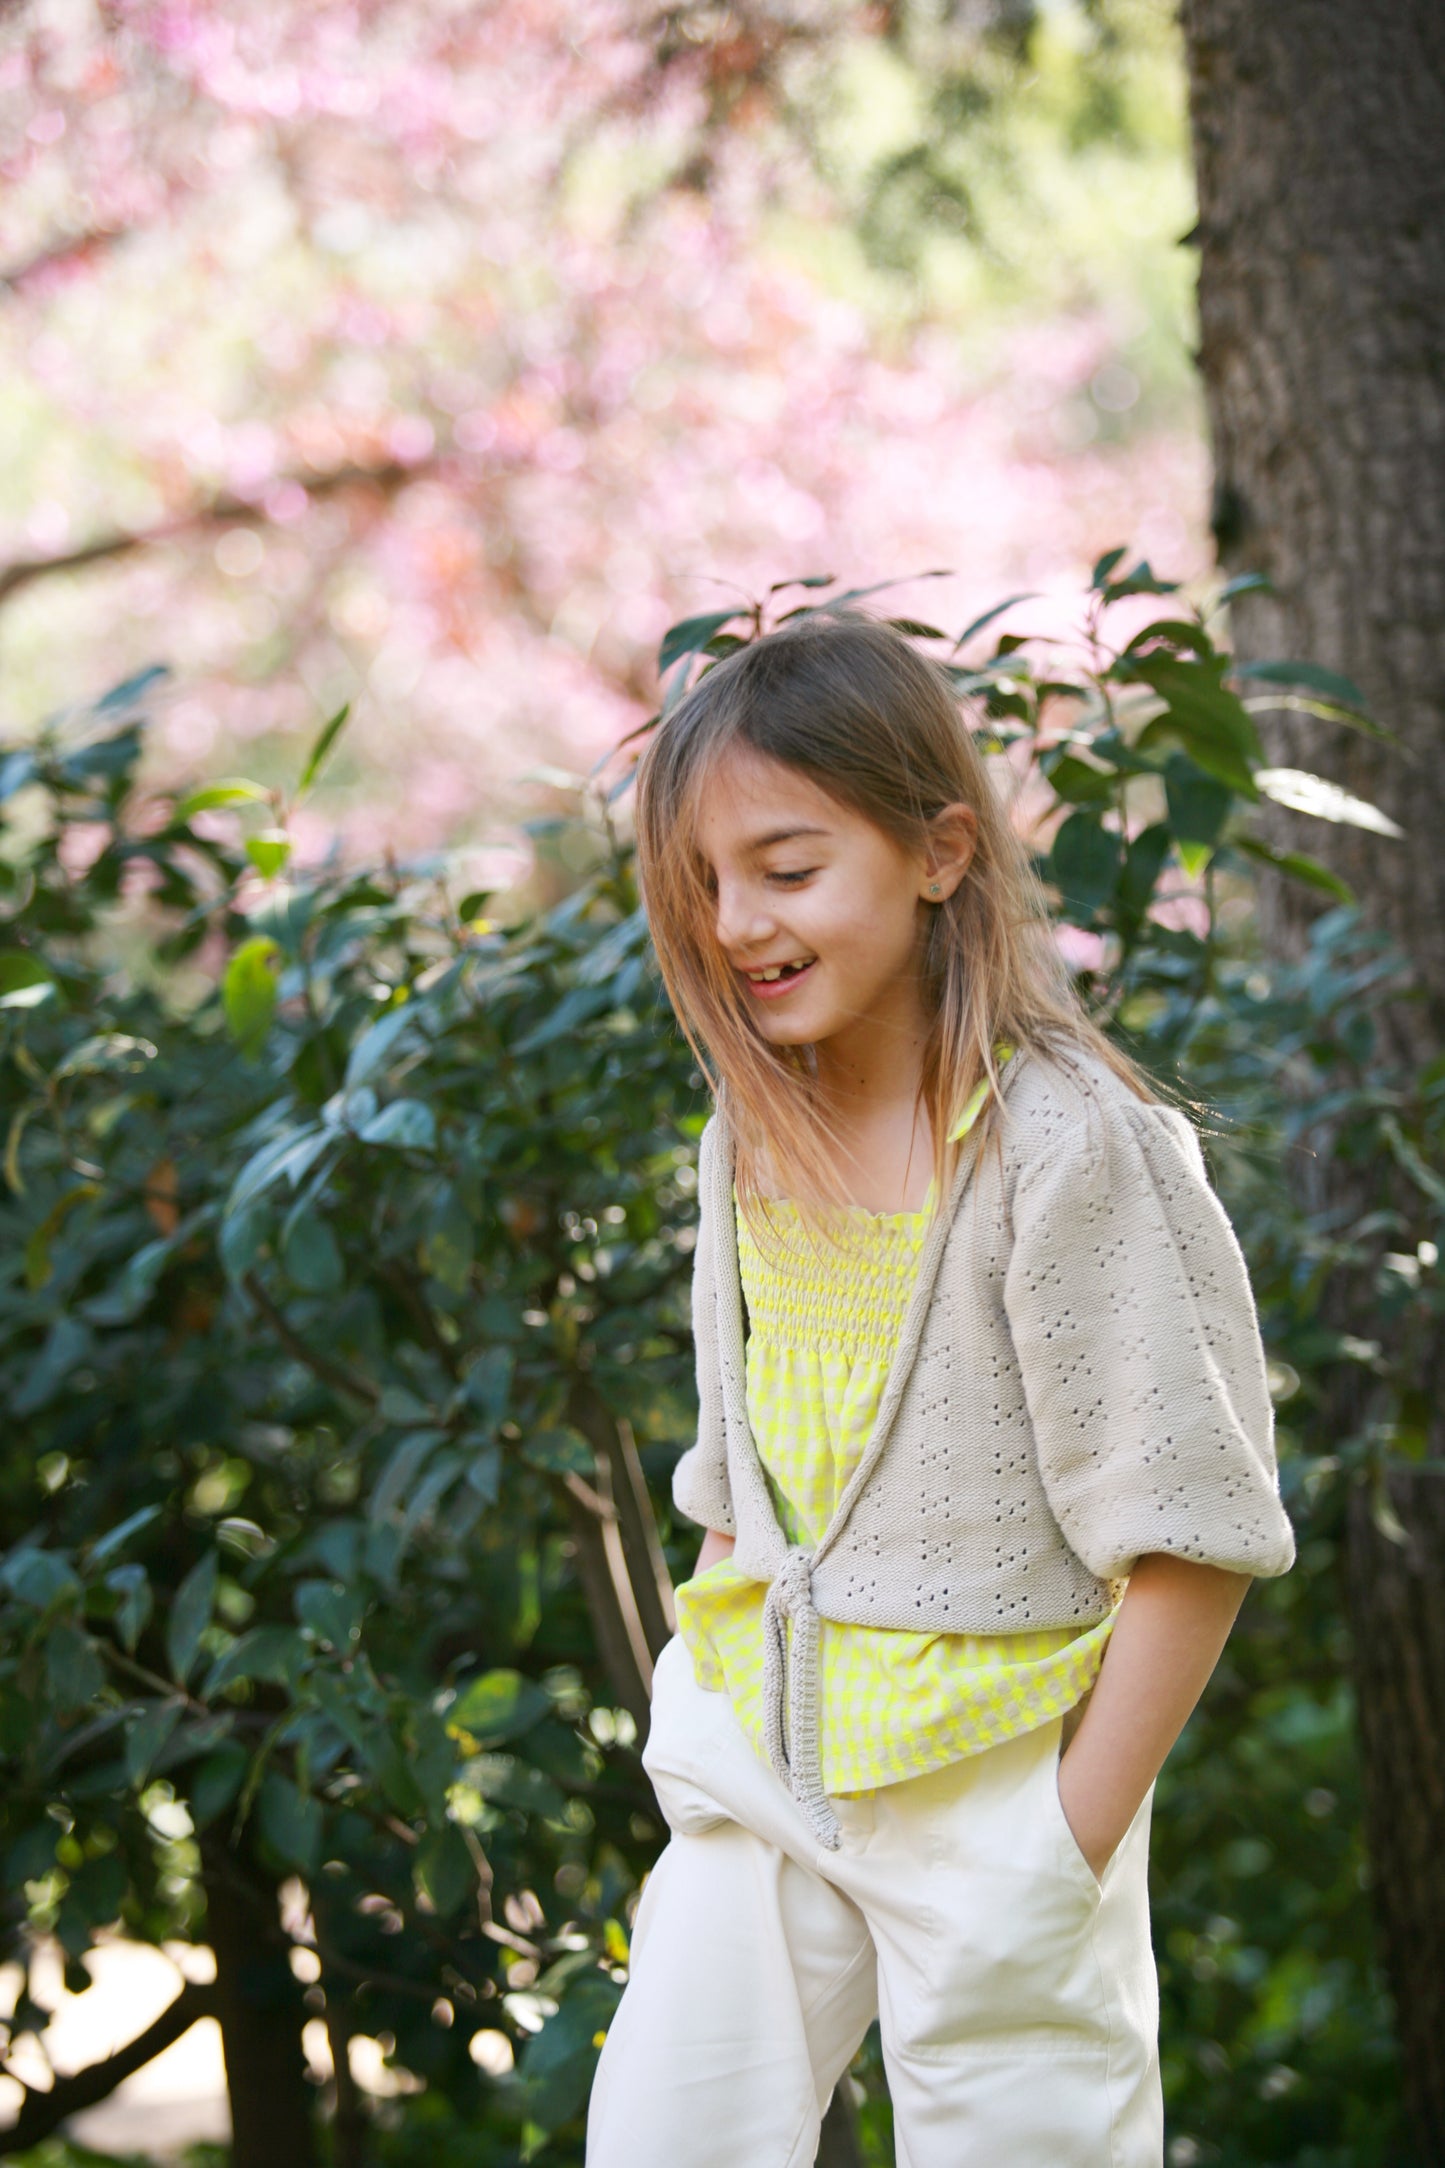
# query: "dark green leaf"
{"points": [[122, 698], [1143, 580], [74, 1673], [449, 1245], [1079, 784], [216, 1784], [330, 1612], [109, 1052], [1143, 862], [376, 1042], [147, 1733], [1199, 805], [558, 2062], [132, 1585], [327, 738], [288, 1156], [488, 1382], [129, 1294], [1245, 583], [497, 1705], [406, 1123], [291, 1822], [484, 1473], [278, 1654], [190, 1616], [408, 1459], [561, 1452], [38, 1578], [115, 1539], [310, 1255], [691, 635], [1175, 633], [1299, 866], [444, 1871], [1084, 863], [977, 624], [1309, 676]]}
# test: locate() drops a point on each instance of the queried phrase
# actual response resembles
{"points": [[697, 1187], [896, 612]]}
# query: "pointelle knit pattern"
{"points": [[1079, 1381]]}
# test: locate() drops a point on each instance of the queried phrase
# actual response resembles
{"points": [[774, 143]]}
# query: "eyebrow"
{"points": [[782, 835]]}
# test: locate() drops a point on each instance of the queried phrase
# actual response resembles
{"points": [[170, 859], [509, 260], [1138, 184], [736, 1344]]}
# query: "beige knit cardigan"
{"points": [[1079, 1380]]}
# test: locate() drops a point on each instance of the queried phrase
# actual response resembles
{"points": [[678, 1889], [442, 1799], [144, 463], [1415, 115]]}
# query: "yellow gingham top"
{"points": [[823, 1326]]}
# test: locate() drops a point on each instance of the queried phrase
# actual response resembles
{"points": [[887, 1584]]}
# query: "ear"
{"points": [[952, 841]]}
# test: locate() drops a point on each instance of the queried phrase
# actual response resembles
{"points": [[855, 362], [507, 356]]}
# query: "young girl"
{"points": [[984, 1439]]}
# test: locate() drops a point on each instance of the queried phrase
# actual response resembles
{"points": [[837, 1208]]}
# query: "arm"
{"points": [[714, 1547], [1172, 1625]]}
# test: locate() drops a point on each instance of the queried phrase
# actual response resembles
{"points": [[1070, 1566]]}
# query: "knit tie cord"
{"points": [[791, 1719], [794, 1748]]}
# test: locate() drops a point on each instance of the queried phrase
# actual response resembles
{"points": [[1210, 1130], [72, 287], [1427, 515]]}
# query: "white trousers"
{"points": [[1016, 1992]]}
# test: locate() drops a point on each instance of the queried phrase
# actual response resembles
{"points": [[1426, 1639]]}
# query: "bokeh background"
{"points": [[381, 382], [436, 358]]}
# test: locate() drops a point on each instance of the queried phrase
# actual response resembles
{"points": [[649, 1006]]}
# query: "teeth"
{"points": [[775, 971]]}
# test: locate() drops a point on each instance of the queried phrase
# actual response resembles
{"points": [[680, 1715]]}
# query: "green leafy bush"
{"points": [[343, 1334]]}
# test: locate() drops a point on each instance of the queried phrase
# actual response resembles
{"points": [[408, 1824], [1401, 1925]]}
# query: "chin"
{"points": [[789, 1030]]}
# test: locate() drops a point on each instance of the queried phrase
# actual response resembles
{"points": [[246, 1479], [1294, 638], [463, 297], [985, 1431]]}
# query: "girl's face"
{"points": [[819, 911]]}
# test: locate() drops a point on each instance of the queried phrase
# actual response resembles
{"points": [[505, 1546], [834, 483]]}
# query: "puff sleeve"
{"points": [[700, 1488], [1138, 1341]]}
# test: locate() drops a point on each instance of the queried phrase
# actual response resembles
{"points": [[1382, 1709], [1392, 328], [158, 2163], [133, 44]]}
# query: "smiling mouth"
{"points": [[770, 980]]}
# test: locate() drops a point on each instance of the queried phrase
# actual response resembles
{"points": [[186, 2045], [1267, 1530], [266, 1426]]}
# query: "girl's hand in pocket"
{"points": [[1097, 1817], [1171, 1626]]}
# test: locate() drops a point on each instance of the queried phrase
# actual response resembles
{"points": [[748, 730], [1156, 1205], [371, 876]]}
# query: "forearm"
{"points": [[714, 1547], [1171, 1628]]}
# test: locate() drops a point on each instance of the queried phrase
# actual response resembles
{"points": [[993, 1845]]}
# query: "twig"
{"points": [[321, 1366], [43, 2113], [389, 476]]}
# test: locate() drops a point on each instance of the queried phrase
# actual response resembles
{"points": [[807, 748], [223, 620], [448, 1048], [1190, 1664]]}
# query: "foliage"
{"points": [[300, 1352], [343, 1331]]}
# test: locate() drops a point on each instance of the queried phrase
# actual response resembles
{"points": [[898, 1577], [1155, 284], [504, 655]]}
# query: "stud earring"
{"points": [[934, 888]]}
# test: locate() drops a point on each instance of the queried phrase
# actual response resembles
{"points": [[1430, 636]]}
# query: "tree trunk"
{"points": [[260, 2009], [1318, 127], [1318, 131], [1399, 1628]]}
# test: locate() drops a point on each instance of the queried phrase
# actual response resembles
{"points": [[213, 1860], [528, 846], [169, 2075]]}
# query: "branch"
{"points": [[622, 1482], [607, 1592], [69, 248], [402, 1284], [321, 1366], [43, 2113], [388, 477]]}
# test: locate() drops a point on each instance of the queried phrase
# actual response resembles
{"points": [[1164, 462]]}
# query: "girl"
{"points": [[984, 1440]]}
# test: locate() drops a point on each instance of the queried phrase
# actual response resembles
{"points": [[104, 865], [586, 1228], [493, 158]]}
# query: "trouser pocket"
{"points": [[683, 1740], [1069, 1847]]}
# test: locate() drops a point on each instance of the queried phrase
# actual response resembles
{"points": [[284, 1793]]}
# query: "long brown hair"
{"points": [[854, 706]]}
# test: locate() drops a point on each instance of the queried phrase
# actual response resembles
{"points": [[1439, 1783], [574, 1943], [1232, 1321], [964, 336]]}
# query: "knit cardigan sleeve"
{"points": [[700, 1488], [1135, 1327]]}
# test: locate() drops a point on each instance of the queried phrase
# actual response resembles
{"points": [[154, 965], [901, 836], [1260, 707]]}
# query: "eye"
{"points": [[793, 879]]}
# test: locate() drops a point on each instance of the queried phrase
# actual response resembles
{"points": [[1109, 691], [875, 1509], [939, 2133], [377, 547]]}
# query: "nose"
{"points": [[743, 921]]}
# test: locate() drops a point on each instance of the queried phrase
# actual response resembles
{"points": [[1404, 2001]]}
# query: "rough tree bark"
{"points": [[260, 2010], [1318, 131]]}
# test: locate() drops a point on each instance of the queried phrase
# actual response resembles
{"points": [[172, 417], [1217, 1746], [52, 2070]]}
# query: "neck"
{"points": [[871, 1076], [874, 1065]]}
